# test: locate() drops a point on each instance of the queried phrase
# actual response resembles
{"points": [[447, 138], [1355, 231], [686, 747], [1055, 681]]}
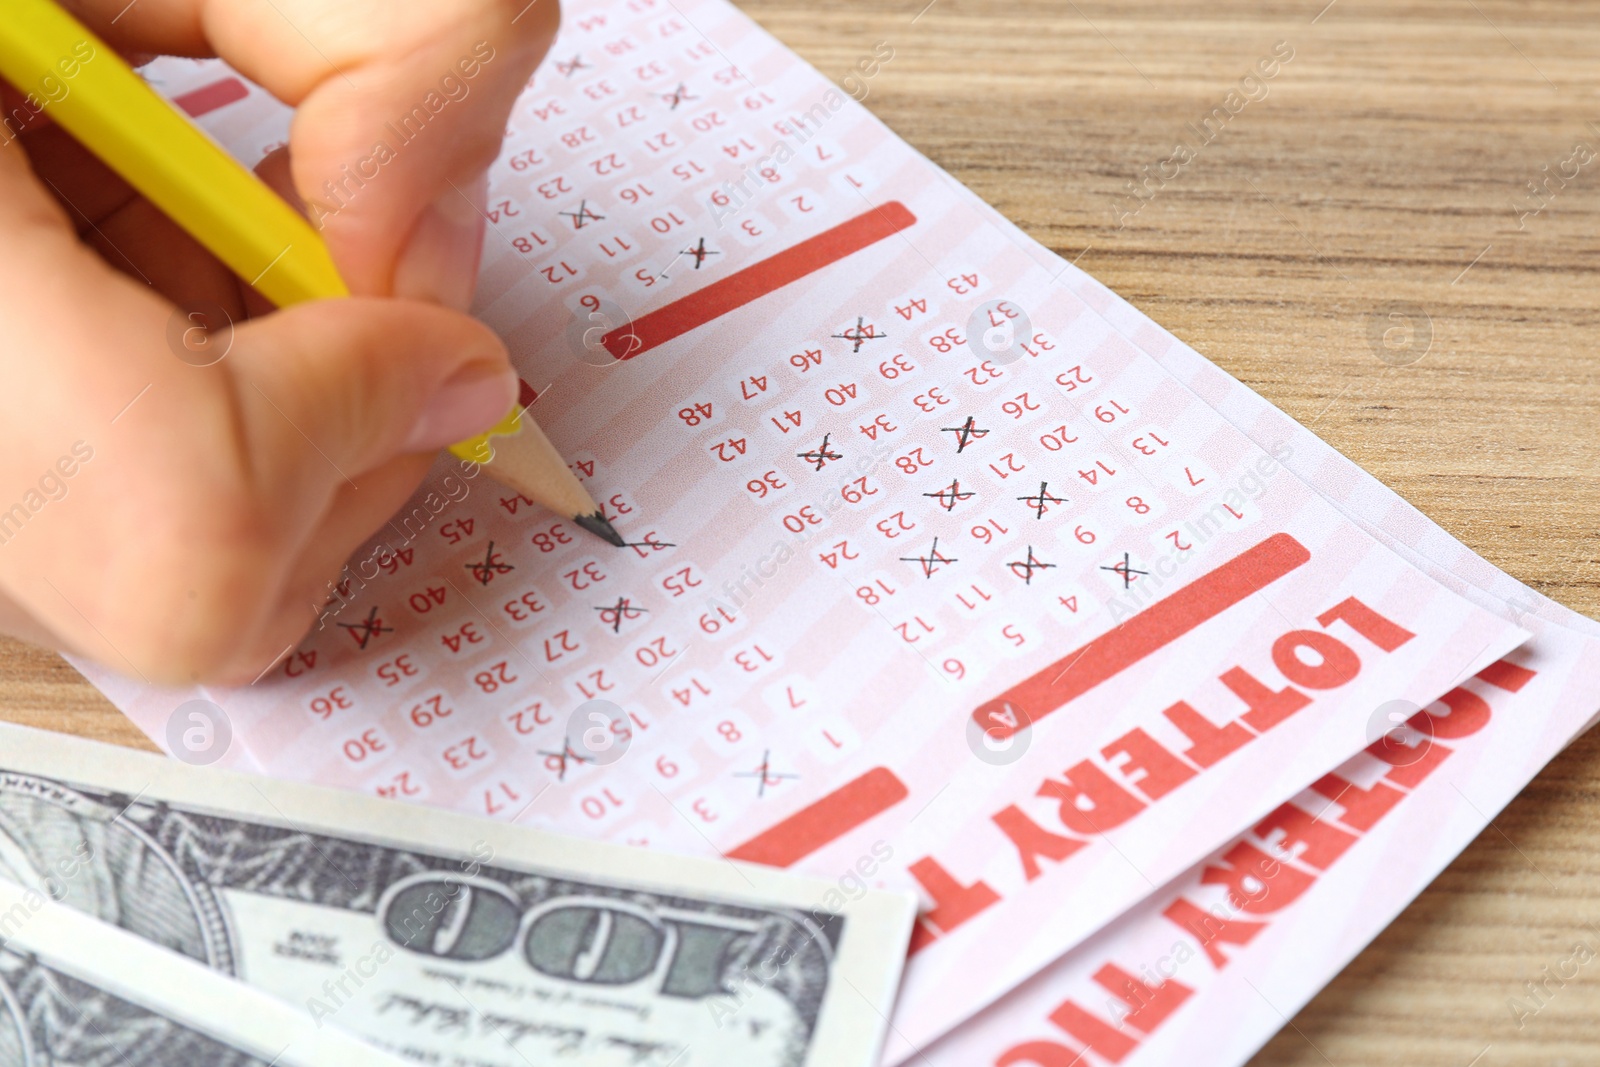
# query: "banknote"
{"points": [[76, 992], [453, 940]]}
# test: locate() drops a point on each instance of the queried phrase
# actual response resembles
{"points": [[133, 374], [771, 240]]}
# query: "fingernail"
{"points": [[440, 262], [464, 406]]}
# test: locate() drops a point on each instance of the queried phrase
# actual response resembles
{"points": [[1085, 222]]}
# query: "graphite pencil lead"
{"points": [[598, 525]]}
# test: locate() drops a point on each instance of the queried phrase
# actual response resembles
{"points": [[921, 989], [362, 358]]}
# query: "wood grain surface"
{"points": [[1385, 170]]}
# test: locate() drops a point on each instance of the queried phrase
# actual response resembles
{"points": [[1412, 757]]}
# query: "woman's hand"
{"points": [[183, 523]]}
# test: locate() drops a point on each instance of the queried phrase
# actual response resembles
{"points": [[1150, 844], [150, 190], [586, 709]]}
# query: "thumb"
{"points": [[332, 390]]}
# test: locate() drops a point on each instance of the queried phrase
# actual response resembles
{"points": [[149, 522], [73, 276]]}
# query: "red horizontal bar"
{"points": [[828, 819], [1148, 632], [209, 98], [757, 280], [1503, 674]]}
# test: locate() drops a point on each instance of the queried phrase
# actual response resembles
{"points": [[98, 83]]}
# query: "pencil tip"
{"points": [[601, 528]]}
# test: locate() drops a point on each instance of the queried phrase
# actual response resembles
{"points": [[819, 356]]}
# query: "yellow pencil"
{"points": [[115, 115]]}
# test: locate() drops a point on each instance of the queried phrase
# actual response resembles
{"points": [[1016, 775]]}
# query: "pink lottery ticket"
{"points": [[924, 554], [1206, 969]]}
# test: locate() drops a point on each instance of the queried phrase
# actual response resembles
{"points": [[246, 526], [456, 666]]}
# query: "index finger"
{"points": [[400, 107]]}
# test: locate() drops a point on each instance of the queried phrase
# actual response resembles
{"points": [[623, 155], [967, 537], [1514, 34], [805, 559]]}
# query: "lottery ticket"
{"points": [[923, 553], [1208, 968], [1211, 966]]}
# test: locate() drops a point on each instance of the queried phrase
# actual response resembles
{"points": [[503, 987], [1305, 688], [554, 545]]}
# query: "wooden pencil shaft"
{"points": [[527, 462]]}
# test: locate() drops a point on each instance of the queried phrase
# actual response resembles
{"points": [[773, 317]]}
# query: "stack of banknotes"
{"points": [[930, 762], [153, 913]]}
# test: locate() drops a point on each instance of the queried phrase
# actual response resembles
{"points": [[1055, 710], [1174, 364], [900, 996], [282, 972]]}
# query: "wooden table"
{"points": [[1382, 166]]}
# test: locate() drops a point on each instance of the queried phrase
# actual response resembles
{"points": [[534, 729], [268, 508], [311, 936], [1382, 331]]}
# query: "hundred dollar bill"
{"points": [[448, 939], [76, 992]]}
